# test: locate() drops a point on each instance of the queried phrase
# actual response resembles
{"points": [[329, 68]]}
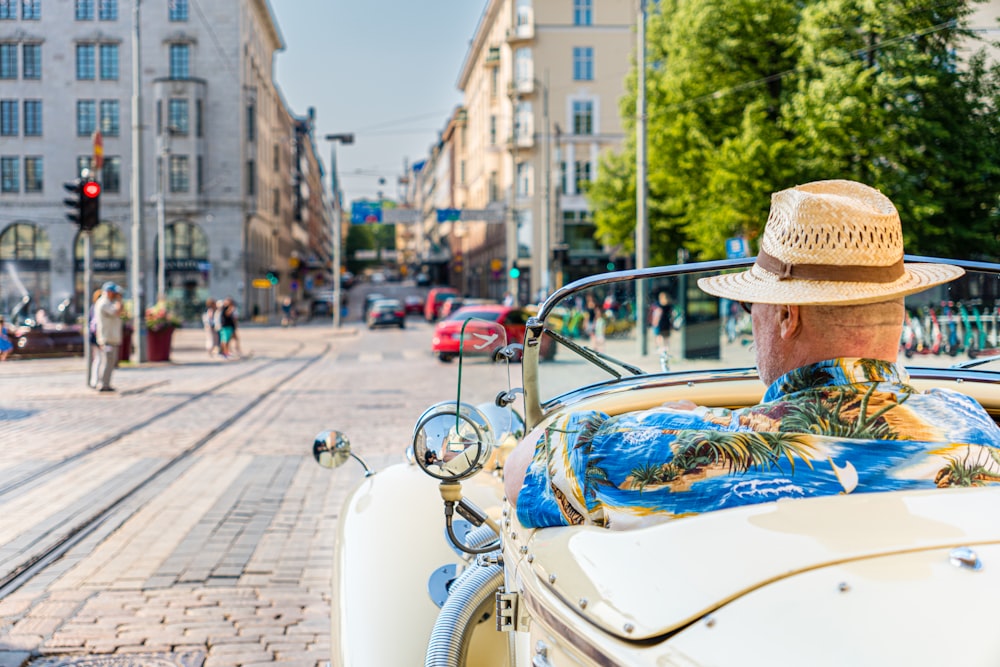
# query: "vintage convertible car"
{"points": [[905, 577]]}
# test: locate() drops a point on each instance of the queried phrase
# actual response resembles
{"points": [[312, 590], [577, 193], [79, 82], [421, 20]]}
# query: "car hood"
{"points": [[650, 582]]}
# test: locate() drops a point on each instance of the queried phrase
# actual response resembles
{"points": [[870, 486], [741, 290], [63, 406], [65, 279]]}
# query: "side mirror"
{"points": [[452, 441], [332, 449]]}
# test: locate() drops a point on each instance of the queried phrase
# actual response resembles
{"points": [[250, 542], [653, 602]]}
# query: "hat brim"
{"points": [[756, 285]]}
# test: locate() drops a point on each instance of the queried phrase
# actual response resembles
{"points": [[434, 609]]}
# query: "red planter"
{"points": [[125, 351], [159, 344]]}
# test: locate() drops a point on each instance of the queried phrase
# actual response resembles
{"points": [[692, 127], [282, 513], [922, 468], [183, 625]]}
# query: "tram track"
{"points": [[48, 551]]}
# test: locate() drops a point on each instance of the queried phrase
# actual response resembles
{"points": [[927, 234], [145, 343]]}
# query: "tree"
{"points": [[746, 97]]}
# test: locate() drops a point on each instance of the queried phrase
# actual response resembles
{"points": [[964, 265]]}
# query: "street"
{"points": [[183, 516]]}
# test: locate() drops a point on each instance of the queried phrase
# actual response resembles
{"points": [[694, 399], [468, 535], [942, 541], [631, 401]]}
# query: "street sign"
{"points": [[736, 247], [449, 214], [363, 212], [261, 283]]}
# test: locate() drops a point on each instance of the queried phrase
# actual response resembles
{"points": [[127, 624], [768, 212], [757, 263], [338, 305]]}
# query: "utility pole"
{"points": [[135, 275], [641, 215], [546, 263]]}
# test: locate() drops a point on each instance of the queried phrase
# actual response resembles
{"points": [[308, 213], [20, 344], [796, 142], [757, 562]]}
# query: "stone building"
{"points": [[242, 188]]}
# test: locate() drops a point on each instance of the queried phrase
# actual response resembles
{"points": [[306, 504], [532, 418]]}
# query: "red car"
{"points": [[413, 304], [448, 331], [436, 297]]}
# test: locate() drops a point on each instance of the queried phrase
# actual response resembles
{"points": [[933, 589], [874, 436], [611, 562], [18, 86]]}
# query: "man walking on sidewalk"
{"points": [[107, 317]]}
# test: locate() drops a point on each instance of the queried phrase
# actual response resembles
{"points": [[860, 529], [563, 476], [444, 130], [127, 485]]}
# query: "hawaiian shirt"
{"points": [[839, 426]]}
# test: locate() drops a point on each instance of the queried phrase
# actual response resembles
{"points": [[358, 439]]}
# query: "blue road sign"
{"points": [[363, 212], [449, 215], [736, 247]]}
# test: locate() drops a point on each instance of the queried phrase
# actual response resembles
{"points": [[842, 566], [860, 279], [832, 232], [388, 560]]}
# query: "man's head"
{"points": [[111, 289], [829, 279]]}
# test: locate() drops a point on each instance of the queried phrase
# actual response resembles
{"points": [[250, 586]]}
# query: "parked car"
{"points": [[413, 304], [386, 312], [895, 577], [449, 332], [422, 280], [435, 298]]}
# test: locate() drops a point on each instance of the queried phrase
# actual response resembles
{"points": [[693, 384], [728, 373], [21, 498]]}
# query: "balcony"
{"points": [[522, 87], [493, 57], [524, 26]]}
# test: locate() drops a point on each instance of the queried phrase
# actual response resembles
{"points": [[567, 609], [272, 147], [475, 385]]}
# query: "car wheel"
{"points": [[445, 357], [402, 325]]}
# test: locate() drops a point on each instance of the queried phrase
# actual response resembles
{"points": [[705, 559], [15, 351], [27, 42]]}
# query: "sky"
{"points": [[384, 70]]}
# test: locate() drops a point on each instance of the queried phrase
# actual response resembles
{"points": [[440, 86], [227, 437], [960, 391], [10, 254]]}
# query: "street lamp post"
{"points": [[161, 214], [334, 139], [135, 274], [641, 215]]}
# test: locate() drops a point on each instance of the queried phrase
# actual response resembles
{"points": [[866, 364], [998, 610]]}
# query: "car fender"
{"points": [[391, 540]]}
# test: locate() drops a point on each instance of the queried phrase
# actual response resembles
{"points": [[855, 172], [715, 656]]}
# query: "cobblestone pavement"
{"points": [[226, 555]]}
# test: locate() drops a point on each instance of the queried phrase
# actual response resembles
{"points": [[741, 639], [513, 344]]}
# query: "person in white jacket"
{"points": [[108, 335]]}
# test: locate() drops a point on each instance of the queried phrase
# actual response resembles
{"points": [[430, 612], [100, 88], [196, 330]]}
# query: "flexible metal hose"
{"points": [[469, 598]]}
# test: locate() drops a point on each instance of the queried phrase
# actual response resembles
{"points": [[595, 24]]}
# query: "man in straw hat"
{"points": [[839, 416]]}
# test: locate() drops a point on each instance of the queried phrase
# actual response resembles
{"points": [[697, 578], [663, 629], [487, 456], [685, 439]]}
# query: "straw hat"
{"points": [[831, 243]]}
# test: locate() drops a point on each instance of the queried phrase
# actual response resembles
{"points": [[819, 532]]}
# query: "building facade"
{"points": [[541, 84], [217, 143]]}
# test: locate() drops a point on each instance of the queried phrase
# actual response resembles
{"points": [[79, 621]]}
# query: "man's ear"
{"points": [[791, 322]]}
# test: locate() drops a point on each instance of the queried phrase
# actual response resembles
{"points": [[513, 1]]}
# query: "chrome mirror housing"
{"points": [[452, 441], [332, 449]]}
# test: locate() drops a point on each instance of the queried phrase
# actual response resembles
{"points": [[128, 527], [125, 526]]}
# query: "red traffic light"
{"points": [[91, 189]]}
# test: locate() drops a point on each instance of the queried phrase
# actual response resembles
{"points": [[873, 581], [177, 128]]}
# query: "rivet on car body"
{"points": [[710, 622], [583, 603], [513, 536], [541, 649], [552, 578], [965, 557], [629, 628], [524, 548], [531, 558], [843, 587]]}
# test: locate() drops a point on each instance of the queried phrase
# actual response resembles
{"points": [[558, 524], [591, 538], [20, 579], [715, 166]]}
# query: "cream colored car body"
{"points": [[900, 578]]}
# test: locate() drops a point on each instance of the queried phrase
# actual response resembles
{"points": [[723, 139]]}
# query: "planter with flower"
{"points": [[161, 320]]}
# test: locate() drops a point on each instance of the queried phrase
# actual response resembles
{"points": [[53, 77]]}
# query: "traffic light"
{"points": [[84, 204], [611, 266], [514, 271], [272, 277]]}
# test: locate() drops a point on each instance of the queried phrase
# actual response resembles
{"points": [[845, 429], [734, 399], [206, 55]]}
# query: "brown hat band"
{"points": [[839, 273]]}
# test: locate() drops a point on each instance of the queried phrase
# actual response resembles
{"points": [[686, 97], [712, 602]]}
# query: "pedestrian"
{"points": [[662, 320], [108, 336], [227, 327], [826, 299], [211, 333], [234, 344], [5, 343], [286, 311]]}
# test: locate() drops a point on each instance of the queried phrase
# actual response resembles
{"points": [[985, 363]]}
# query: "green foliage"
{"points": [[746, 97]]}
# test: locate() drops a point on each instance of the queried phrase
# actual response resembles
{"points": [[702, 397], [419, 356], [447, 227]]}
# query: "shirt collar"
{"points": [[832, 372]]}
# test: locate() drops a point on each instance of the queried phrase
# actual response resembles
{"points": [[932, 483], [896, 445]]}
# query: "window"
{"points": [[523, 179], [197, 118], [9, 124], [581, 170], [110, 118], [33, 174], [32, 118], [31, 10], [85, 62], [109, 62], [84, 162], [583, 117], [86, 117], [32, 61], [583, 12], [178, 10], [562, 177], [493, 189], [493, 130], [583, 63], [177, 116], [8, 9], [495, 82], [199, 175], [276, 159], [251, 122], [524, 67], [276, 201], [251, 177], [84, 10], [180, 61], [107, 10], [180, 173], [111, 174], [8, 61], [523, 120], [10, 180]]}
